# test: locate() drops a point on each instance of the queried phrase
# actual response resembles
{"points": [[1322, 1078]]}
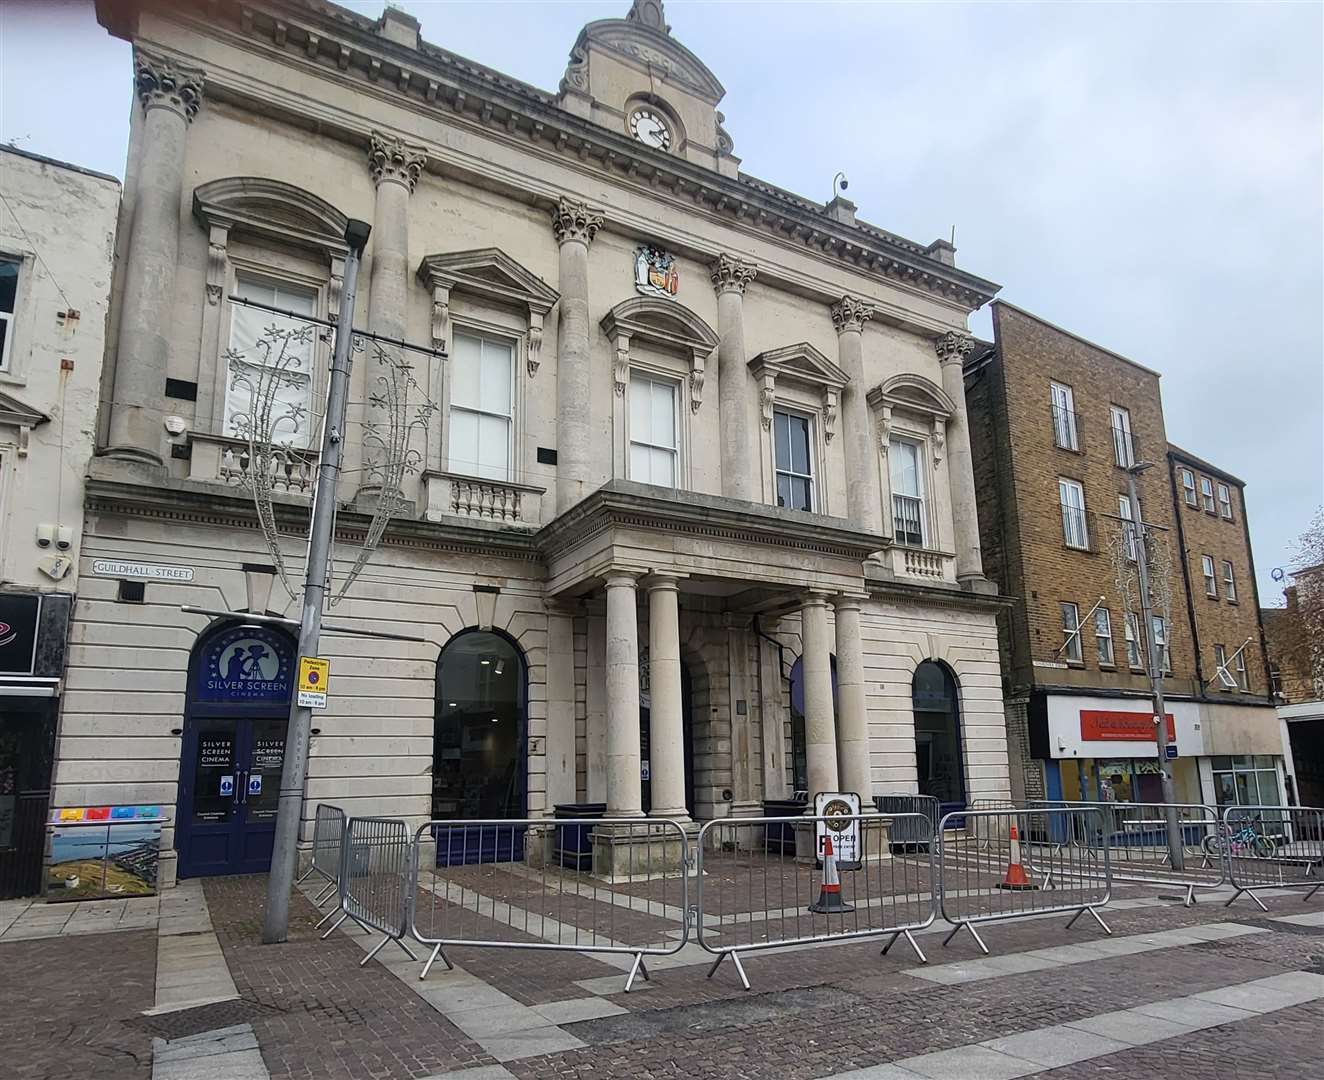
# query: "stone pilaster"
{"points": [[170, 95], [852, 709], [666, 746], [820, 730], [952, 349], [624, 792], [730, 275], [574, 226], [863, 483]]}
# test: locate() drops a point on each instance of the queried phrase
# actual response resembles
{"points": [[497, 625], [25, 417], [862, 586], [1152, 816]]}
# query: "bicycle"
{"points": [[1250, 836]]}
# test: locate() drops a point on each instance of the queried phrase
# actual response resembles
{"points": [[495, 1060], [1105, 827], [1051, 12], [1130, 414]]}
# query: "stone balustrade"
{"points": [[229, 461], [923, 564], [453, 495]]}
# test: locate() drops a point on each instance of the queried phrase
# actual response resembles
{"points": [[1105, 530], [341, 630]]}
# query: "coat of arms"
{"points": [[655, 272]]}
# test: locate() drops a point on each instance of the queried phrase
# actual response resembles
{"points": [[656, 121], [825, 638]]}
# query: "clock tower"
{"points": [[632, 75]]}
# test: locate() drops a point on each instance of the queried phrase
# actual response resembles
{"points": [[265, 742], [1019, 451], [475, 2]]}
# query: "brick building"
{"points": [[1294, 635], [1057, 423]]}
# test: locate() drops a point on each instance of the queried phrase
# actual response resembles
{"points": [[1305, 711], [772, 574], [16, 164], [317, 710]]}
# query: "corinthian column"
{"points": [[862, 477], [574, 225], [952, 349], [730, 275], [170, 96]]}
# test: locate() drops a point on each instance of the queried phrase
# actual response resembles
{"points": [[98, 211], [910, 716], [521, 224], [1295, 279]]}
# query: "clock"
{"points": [[651, 128]]}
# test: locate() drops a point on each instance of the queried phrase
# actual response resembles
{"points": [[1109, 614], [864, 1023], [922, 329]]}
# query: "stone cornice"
{"points": [[904, 592], [327, 39]]}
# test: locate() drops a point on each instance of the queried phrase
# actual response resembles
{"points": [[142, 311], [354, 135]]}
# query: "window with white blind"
{"points": [[1064, 416], [1188, 487], [1210, 580], [1071, 649], [1123, 443], [1103, 636], [482, 382], [1225, 502], [259, 361], [793, 450], [1075, 532], [1229, 581], [654, 431], [905, 466], [8, 302]]}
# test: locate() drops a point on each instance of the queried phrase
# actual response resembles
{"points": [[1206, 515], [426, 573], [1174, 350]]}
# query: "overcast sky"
{"points": [[1147, 176]]}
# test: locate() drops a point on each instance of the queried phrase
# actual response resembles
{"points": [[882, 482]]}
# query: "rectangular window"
{"points": [[1074, 530], [1064, 417], [1229, 581], [1207, 494], [905, 466], [482, 403], [1221, 673], [1243, 680], [1123, 443], [1133, 640], [1161, 644], [793, 450], [1247, 781], [1225, 501], [1128, 529], [1210, 581], [8, 301], [1071, 633], [1188, 487], [1103, 636], [654, 431], [263, 363]]}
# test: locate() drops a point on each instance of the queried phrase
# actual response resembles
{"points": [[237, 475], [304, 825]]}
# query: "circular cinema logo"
{"points": [[246, 663]]}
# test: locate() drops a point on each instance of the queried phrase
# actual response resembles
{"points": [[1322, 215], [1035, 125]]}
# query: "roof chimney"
{"points": [[398, 26]]}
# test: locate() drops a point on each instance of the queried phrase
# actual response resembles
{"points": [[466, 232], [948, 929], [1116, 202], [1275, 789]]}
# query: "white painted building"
{"points": [[694, 432], [57, 229]]}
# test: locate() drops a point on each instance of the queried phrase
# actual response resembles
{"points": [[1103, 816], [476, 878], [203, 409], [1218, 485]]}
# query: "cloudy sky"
{"points": [[1148, 176]]}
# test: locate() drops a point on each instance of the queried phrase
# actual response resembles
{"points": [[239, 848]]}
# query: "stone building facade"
{"points": [[693, 517], [1057, 423], [57, 228]]}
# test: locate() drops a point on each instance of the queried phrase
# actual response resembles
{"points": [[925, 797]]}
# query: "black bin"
{"points": [[574, 843]]}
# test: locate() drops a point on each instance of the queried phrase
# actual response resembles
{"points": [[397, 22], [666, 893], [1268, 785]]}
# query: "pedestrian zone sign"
{"points": [[314, 677], [838, 816]]}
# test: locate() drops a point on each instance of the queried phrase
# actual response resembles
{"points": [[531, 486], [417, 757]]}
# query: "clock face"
{"points": [[650, 128]]}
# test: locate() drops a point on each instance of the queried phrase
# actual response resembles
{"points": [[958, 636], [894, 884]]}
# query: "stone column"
{"points": [[730, 275], [863, 482], [574, 225], [852, 711], [560, 747], [624, 794], [952, 349], [667, 734], [170, 96], [820, 731]]}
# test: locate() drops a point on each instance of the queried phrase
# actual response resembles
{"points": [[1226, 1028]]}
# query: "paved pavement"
{"points": [[181, 989]]}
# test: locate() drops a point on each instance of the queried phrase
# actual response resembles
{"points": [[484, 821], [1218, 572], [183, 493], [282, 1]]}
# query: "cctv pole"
{"points": [[1141, 545], [276, 920]]}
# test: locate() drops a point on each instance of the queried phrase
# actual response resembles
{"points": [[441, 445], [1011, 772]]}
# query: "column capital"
{"points": [[851, 313], [953, 347], [165, 83], [622, 579], [848, 601], [814, 598], [575, 221], [730, 273], [662, 583], [391, 158]]}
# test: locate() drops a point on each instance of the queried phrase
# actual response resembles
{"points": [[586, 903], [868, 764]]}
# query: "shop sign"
{"points": [[20, 615], [838, 814], [245, 664], [1104, 725]]}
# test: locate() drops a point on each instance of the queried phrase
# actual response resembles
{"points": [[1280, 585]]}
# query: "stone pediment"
{"points": [[663, 322], [15, 413], [915, 393], [271, 210], [800, 363], [490, 273], [644, 41]]}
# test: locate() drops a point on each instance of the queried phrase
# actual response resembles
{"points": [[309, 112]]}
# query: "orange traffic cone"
{"points": [[1015, 877], [829, 895]]}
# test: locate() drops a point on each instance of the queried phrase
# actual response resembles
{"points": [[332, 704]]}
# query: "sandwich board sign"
{"points": [[837, 814]]}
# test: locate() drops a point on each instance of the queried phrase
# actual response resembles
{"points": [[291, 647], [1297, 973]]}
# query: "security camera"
{"points": [[45, 535], [844, 183], [176, 425], [64, 538]]}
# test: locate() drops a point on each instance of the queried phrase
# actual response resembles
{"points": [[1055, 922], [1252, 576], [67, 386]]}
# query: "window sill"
{"points": [[1108, 667], [1069, 449], [1234, 603], [11, 378]]}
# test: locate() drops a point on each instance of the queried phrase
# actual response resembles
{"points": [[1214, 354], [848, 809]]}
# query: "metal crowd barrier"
{"points": [[374, 880], [1272, 847], [599, 885], [1136, 837], [986, 874], [752, 895], [328, 837]]}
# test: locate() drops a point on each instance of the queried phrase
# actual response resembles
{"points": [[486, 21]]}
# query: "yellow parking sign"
{"points": [[314, 677]]}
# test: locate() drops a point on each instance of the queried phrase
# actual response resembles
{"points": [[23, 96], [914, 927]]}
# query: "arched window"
{"points": [[938, 735], [478, 760]]}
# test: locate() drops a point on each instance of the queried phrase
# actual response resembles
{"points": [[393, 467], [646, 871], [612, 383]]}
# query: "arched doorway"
{"points": [[479, 764], [799, 755], [234, 747], [646, 733], [938, 761]]}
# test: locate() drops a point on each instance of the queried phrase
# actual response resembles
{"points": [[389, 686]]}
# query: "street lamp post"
{"points": [[1155, 664]]}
